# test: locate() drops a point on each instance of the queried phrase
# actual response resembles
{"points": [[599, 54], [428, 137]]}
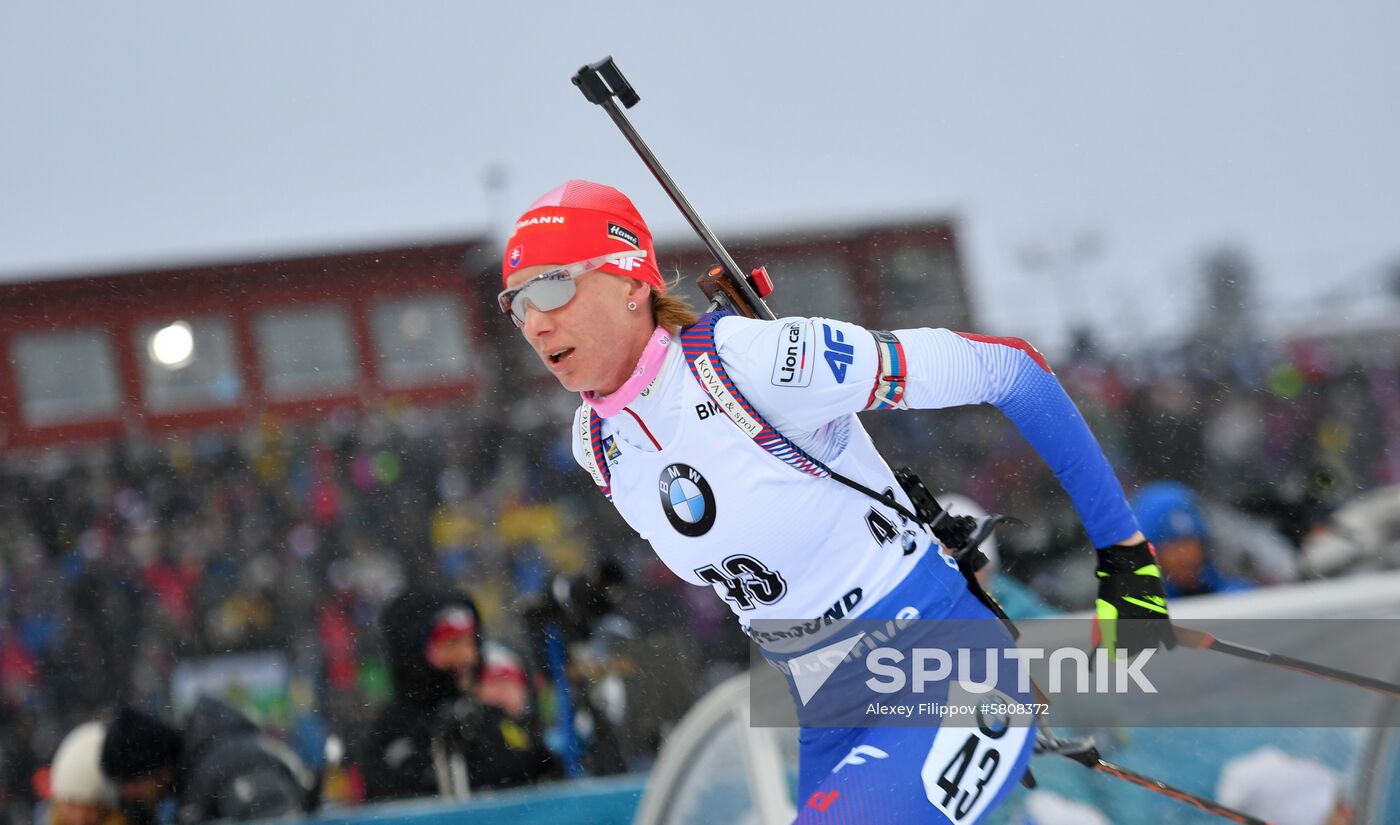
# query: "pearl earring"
{"points": [[632, 306]]}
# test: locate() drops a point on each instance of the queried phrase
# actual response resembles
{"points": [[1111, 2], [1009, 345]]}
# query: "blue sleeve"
{"points": [[803, 373], [947, 368]]}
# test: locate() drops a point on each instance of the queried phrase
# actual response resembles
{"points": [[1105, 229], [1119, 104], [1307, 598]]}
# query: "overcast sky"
{"points": [[167, 132]]}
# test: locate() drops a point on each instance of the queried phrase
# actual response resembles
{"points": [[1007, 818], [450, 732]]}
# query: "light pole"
{"points": [[1064, 257]]}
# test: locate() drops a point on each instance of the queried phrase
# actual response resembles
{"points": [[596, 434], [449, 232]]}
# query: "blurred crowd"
{"points": [[119, 562], [1291, 453]]}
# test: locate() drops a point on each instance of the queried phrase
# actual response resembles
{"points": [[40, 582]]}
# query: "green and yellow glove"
{"points": [[1130, 588]]}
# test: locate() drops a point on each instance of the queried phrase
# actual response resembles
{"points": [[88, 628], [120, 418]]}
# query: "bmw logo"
{"points": [[687, 499]]}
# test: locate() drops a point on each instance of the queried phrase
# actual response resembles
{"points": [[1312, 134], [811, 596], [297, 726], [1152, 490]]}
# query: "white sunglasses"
{"points": [[555, 288]]}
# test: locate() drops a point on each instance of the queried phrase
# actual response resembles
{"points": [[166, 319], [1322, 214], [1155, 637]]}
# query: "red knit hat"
{"points": [[451, 622], [502, 663], [578, 221]]}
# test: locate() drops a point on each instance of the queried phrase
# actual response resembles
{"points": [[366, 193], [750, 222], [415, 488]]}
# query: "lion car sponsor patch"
{"points": [[795, 356]]}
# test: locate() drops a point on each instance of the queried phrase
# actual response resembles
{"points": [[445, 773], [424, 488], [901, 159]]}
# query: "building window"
{"points": [[921, 287], [420, 339], [66, 376], [306, 351], [817, 285], [188, 364]]}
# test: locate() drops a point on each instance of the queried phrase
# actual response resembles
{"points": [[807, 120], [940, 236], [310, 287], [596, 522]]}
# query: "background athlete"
{"points": [[709, 435]]}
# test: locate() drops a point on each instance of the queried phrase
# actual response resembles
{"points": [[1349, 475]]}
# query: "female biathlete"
{"points": [[714, 437]]}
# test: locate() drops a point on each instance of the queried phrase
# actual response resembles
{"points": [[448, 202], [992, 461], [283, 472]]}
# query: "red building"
{"points": [[154, 352], [884, 276]]}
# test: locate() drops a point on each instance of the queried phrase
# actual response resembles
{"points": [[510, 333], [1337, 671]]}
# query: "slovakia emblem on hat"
{"points": [[515, 255]]}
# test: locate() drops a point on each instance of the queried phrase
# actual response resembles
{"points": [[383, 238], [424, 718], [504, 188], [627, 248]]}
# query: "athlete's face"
{"points": [[592, 343]]}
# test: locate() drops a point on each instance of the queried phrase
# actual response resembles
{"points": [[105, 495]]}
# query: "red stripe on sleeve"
{"points": [[1014, 343]]}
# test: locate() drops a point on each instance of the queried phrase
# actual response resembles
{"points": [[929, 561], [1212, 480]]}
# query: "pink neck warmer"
{"points": [[647, 368]]}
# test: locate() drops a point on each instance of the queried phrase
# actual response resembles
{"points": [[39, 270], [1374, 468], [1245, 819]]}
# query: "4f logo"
{"points": [[626, 264], [839, 354]]}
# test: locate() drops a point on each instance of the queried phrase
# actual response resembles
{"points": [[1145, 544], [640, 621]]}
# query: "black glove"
{"points": [[1130, 588]]}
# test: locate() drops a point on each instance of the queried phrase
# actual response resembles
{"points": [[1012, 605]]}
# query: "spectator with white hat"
{"points": [[1285, 790], [81, 794], [1046, 808]]}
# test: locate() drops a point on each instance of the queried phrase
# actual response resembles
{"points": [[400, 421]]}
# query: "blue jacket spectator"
{"points": [[1171, 518]]}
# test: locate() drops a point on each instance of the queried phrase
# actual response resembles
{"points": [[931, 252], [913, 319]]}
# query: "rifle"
{"points": [[728, 289], [724, 285]]}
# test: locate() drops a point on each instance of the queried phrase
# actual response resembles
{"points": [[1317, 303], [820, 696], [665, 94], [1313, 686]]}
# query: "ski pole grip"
{"points": [[603, 80]]}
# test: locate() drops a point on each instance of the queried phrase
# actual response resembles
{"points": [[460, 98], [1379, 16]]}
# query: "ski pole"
{"points": [[1085, 753], [559, 670], [600, 83], [1207, 641]]}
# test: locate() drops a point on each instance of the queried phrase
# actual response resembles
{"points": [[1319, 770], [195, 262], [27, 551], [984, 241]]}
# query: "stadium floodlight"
{"points": [[172, 346]]}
